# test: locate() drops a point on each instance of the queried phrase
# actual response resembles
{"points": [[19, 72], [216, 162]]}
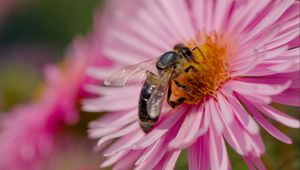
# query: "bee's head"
{"points": [[184, 51]]}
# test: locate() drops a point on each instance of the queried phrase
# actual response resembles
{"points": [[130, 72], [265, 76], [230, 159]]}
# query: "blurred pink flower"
{"points": [[29, 131], [256, 49]]}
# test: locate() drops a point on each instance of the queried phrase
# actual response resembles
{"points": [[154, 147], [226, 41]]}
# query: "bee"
{"points": [[172, 68]]}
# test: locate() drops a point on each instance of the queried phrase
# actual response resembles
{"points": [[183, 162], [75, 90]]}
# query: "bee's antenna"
{"points": [[197, 48]]}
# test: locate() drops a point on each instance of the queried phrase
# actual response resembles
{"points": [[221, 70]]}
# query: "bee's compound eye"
{"points": [[167, 60], [187, 53]]}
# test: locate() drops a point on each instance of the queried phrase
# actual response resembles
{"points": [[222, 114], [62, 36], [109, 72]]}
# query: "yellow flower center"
{"points": [[211, 54]]}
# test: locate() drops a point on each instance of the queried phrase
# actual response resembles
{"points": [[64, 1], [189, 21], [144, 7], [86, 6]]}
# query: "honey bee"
{"points": [[172, 68]]}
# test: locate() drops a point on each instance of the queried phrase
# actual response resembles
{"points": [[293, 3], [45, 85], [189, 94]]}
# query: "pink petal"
{"points": [[205, 122], [291, 94], [182, 23], [221, 12], [279, 116], [94, 105], [249, 163], [235, 136], [193, 156], [116, 119], [263, 89], [218, 152], [208, 15], [244, 118], [253, 162], [127, 162], [150, 29], [150, 153], [154, 159], [198, 153], [259, 164], [245, 15], [188, 131], [215, 116], [118, 55], [169, 161], [198, 9], [119, 133], [256, 98], [163, 126], [149, 32], [225, 108], [113, 159], [265, 69], [256, 143], [99, 132], [162, 21], [270, 128], [136, 44], [284, 38], [125, 142], [275, 13]]}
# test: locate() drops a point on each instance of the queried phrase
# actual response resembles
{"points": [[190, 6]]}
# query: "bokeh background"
{"points": [[36, 32]]}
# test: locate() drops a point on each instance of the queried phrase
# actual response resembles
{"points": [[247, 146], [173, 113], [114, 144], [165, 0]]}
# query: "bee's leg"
{"points": [[173, 104], [169, 95], [197, 48], [190, 68]]}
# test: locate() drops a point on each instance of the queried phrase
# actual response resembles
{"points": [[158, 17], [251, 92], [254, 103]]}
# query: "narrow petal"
{"points": [[292, 95], [218, 152], [278, 9], [125, 142], [263, 89], [127, 162], [215, 116], [188, 130], [279, 116], [113, 159], [244, 118], [206, 120], [193, 156], [225, 108], [163, 126], [270, 128], [122, 132], [169, 161]]}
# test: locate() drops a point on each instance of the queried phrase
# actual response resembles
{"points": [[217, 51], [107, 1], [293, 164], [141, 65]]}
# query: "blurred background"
{"points": [[33, 33], [36, 32]]}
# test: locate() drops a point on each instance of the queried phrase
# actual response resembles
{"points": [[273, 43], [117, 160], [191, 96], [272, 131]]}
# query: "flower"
{"points": [[30, 131], [250, 59]]}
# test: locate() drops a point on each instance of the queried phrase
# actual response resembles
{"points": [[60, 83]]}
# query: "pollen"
{"points": [[210, 69]]}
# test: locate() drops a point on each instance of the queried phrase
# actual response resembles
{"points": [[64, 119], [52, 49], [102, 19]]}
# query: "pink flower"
{"points": [[29, 132], [251, 59]]}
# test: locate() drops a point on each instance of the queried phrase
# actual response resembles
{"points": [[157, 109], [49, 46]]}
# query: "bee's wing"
{"points": [[131, 74], [155, 102]]}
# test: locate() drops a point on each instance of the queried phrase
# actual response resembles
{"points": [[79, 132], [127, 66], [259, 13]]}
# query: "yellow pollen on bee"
{"points": [[212, 68]]}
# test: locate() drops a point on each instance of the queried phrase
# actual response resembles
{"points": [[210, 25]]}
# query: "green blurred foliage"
{"points": [[18, 82], [54, 22]]}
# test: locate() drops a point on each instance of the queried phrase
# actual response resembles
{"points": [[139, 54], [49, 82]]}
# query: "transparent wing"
{"points": [[157, 98], [131, 74]]}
